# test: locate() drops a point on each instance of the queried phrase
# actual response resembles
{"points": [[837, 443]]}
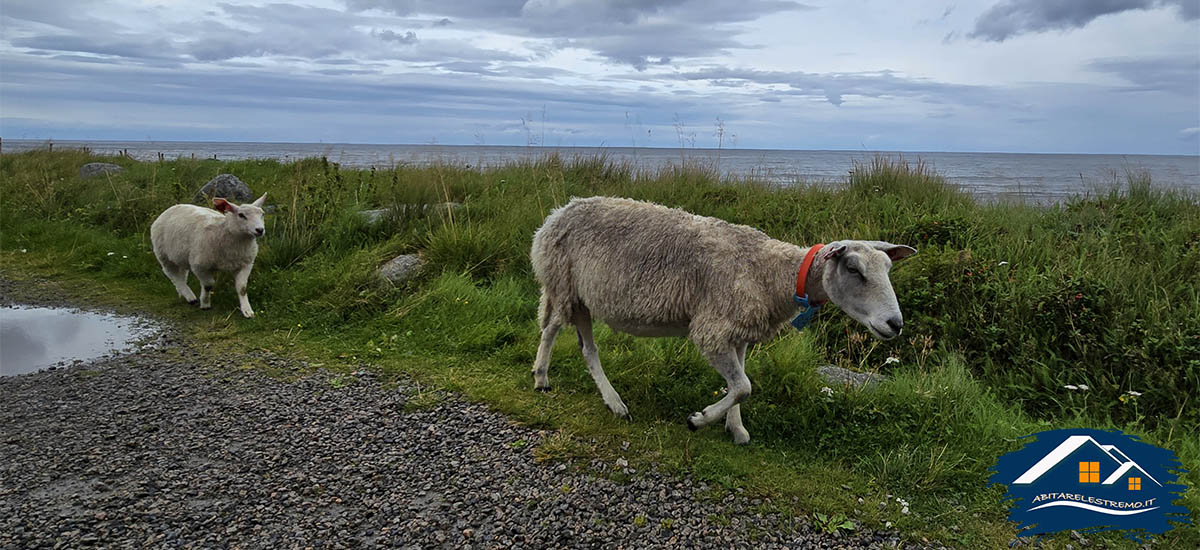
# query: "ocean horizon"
{"points": [[988, 176]]}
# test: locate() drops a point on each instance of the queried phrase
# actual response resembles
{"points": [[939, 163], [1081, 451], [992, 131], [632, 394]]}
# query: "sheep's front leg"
{"points": [[733, 418], [727, 364], [207, 280], [240, 279]]}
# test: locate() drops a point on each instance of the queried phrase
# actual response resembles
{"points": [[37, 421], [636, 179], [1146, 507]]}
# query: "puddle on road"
{"points": [[34, 338]]}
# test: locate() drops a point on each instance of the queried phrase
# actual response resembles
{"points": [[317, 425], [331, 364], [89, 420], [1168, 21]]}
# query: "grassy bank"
{"points": [[1005, 305]]}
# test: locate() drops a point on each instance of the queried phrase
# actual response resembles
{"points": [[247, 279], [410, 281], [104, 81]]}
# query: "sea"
{"points": [[1040, 178]]}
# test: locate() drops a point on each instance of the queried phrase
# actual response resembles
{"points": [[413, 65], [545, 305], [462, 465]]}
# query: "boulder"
{"points": [[92, 169], [226, 186], [402, 268], [840, 376]]}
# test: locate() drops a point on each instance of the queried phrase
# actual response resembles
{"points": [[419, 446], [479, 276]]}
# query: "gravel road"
{"points": [[161, 449]]}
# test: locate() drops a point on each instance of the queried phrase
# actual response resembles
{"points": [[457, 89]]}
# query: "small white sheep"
{"points": [[204, 240], [649, 270]]}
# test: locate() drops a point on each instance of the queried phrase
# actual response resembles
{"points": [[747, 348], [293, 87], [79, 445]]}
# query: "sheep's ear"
{"points": [[832, 250], [223, 205], [896, 252], [260, 200]]}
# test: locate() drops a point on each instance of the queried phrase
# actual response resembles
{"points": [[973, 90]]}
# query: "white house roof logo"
{"points": [[1091, 480]]}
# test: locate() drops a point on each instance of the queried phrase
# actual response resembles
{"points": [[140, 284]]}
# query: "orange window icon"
{"points": [[1089, 472], [1135, 484]]}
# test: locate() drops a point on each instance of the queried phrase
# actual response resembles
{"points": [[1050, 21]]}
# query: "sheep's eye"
{"points": [[242, 216], [853, 271]]}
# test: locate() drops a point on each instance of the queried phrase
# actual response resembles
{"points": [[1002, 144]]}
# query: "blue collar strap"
{"points": [[806, 315]]}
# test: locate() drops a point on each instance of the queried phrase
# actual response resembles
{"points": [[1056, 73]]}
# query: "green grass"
{"points": [[1005, 304]]}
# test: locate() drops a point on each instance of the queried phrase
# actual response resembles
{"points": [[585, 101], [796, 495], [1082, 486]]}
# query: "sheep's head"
{"points": [[243, 219], [855, 277]]}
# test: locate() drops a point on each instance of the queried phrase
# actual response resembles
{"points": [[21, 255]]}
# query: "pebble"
{"points": [[166, 450]]}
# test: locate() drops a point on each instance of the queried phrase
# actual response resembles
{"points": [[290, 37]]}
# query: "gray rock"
{"points": [[838, 375], [402, 268], [372, 216], [97, 168], [226, 186]]}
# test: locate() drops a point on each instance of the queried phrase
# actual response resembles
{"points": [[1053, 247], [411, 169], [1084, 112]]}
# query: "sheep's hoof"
{"points": [[209, 306], [546, 388], [193, 302], [691, 422]]}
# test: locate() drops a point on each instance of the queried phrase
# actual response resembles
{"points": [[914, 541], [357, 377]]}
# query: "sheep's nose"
{"points": [[895, 323], [259, 231]]}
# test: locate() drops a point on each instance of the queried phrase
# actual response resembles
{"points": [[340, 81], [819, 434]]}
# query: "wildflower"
{"points": [[112, 253], [23, 250], [1071, 387], [891, 360], [1001, 263], [1079, 296], [1083, 387], [827, 390], [1134, 393]]}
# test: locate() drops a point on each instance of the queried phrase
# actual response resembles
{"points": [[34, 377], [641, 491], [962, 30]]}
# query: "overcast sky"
{"points": [[1111, 76]]}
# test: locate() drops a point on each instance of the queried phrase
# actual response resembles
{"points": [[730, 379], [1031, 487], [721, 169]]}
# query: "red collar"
{"points": [[802, 275]]}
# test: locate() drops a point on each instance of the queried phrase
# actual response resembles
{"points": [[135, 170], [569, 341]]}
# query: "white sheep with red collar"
{"points": [[649, 270]]}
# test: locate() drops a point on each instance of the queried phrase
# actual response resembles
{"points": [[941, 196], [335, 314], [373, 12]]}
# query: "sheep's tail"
{"points": [[552, 267]]}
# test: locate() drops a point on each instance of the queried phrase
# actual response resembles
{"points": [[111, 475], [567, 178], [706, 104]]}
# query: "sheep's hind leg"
{"points": [[206, 286], [587, 345], [541, 365], [733, 418], [738, 385], [179, 275]]}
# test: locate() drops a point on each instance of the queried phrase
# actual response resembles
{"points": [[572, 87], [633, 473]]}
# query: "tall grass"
{"points": [[1005, 305]]}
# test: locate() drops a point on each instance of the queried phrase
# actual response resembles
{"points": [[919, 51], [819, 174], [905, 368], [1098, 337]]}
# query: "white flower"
{"points": [[827, 390], [1002, 263], [891, 360], [1071, 387], [904, 510], [112, 253], [1083, 387], [1134, 393]]}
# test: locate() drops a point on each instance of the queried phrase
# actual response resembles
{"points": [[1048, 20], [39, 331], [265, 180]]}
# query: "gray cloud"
{"points": [[393, 36], [1015, 17], [633, 32], [834, 87], [1179, 75]]}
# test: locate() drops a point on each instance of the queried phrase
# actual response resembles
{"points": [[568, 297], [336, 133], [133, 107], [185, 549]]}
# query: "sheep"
{"points": [[204, 240], [649, 270]]}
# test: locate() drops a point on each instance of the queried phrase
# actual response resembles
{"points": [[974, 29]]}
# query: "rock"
{"points": [[96, 168], [226, 186], [838, 375], [372, 216], [402, 268]]}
